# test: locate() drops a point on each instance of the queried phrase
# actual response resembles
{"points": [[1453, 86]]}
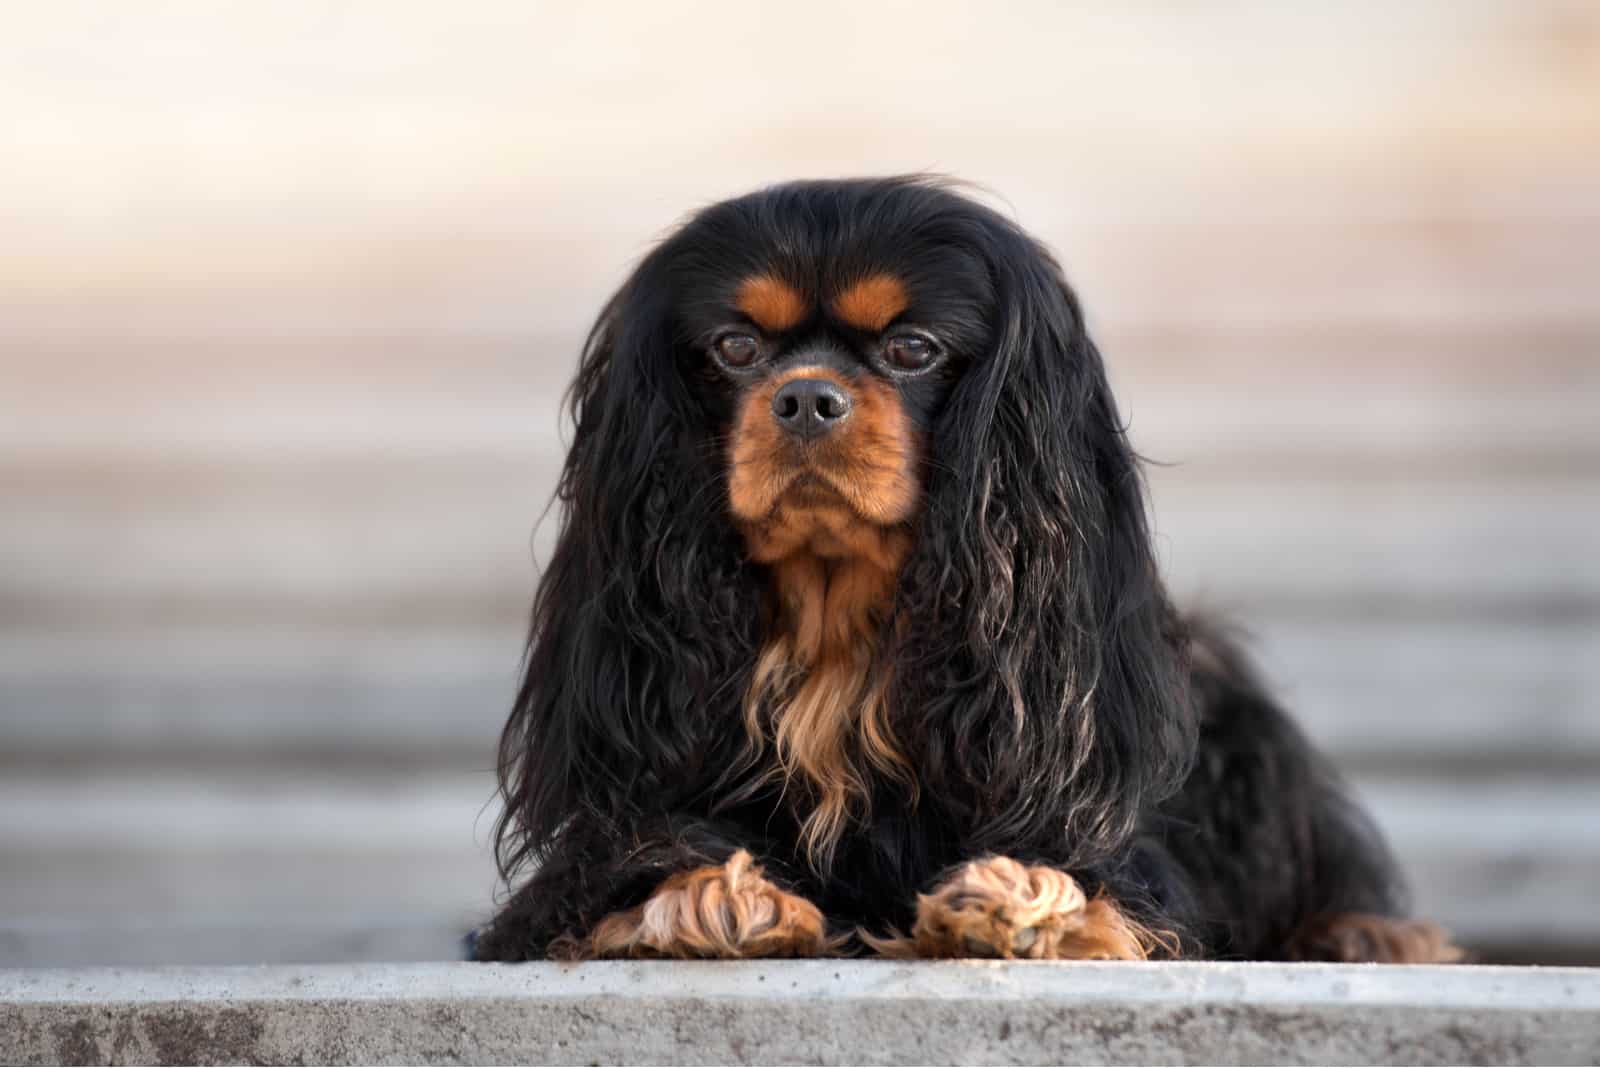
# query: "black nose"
{"points": [[810, 407]]}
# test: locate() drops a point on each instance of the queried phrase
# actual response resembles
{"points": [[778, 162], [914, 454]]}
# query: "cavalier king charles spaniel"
{"points": [[853, 641]]}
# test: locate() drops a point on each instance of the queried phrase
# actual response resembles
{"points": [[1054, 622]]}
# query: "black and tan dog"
{"points": [[853, 640]]}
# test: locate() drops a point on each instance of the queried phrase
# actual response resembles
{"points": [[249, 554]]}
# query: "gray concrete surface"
{"points": [[821, 1012]]}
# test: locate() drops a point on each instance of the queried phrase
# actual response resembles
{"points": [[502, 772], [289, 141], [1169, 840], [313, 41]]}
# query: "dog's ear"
{"points": [[1037, 659], [645, 617]]}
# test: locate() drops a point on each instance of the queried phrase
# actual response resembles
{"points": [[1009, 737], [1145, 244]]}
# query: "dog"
{"points": [[853, 641]]}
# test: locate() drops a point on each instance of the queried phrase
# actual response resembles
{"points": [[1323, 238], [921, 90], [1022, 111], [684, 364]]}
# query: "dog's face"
{"points": [[825, 357]]}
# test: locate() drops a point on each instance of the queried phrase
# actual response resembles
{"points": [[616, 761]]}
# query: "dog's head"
{"points": [[827, 353], [851, 430]]}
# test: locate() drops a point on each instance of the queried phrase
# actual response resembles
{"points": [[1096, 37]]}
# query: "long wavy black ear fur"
{"points": [[1039, 669], [645, 620]]}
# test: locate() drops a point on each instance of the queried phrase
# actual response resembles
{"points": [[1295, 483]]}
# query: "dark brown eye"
{"points": [[910, 352], [738, 350]]}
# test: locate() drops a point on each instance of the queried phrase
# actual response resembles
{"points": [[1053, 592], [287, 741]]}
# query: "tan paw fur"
{"points": [[728, 911], [1362, 937], [998, 907]]}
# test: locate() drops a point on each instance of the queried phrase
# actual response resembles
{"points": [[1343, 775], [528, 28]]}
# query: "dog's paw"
{"points": [[728, 911], [997, 907], [1363, 937]]}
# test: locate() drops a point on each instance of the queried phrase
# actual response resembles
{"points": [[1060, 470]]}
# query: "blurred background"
{"points": [[289, 291]]}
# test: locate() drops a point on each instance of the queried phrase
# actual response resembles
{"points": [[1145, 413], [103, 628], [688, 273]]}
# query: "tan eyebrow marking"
{"points": [[773, 304], [872, 303]]}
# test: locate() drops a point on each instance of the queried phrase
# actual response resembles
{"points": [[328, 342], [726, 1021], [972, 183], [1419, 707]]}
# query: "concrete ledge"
{"points": [[822, 1012]]}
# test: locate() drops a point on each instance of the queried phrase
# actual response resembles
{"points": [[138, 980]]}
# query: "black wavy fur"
{"points": [[1054, 706]]}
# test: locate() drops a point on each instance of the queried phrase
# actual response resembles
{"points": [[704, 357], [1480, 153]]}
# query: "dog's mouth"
{"points": [[810, 487], [795, 478], [808, 484], [814, 515], [817, 487]]}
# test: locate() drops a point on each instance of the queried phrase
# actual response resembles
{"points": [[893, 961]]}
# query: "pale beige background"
{"points": [[288, 292]]}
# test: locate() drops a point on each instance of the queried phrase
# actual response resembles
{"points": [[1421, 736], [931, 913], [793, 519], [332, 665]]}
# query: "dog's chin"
{"points": [[790, 491], [811, 489], [820, 513]]}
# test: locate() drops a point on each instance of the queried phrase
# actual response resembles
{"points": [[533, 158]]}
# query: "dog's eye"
{"points": [[737, 350], [910, 352]]}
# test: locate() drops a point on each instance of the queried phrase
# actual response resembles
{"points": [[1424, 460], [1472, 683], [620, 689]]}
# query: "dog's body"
{"points": [[853, 631]]}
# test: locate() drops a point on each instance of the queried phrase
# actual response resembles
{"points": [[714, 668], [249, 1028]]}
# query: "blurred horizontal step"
{"points": [[1506, 83], [1426, 268], [460, 531], [1359, 426], [1500, 861], [272, 840], [1504, 862], [1282, 537], [295, 691], [1470, 693], [1431, 692], [120, 940], [253, 365]]}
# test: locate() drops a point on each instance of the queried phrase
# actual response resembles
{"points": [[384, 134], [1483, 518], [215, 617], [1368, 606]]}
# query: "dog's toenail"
{"points": [[1024, 939], [976, 947]]}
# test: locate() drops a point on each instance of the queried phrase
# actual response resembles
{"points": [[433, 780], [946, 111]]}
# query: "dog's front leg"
{"points": [[670, 887]]}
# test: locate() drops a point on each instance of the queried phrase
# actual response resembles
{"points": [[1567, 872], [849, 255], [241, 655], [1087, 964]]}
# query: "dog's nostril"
{"points": [[786, 407]]}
